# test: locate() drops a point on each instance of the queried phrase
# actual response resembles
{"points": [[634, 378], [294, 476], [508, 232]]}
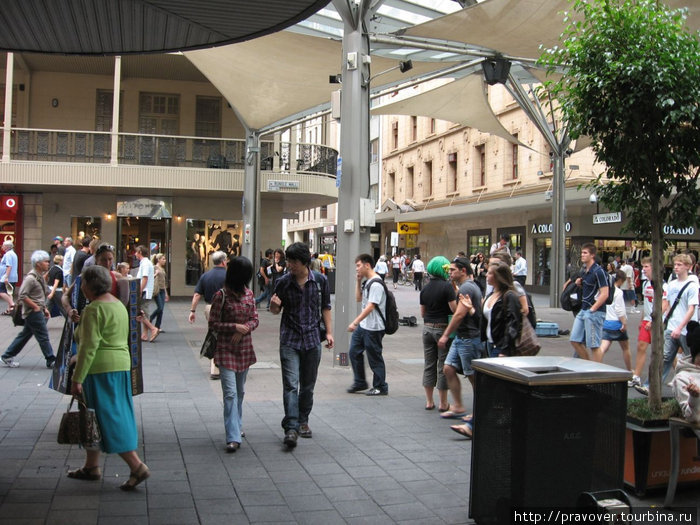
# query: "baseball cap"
{"points": [[58, 238]]}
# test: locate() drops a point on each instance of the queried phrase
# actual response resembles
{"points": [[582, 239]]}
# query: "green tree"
{"points": [[632, 84]]}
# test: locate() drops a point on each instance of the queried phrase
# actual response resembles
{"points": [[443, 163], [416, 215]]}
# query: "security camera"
{"points": [[593, 198]]}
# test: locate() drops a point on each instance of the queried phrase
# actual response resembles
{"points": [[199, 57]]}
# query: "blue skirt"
{"points": [[109, 394]]}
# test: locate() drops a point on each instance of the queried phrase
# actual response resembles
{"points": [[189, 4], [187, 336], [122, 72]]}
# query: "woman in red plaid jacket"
{"points": [[233, 317]]}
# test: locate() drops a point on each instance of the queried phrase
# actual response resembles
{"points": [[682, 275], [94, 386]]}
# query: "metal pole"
{"points": [[558, 252], [354, 150], [250, 204]]}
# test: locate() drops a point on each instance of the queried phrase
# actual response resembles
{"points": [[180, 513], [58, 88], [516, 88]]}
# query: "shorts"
{"points": [[148, 306], [644, 334], [629, 295], [588, 328], [615, 335], [462, 353], [3, 288]]}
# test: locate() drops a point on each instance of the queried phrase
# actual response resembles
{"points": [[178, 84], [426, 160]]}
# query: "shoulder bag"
{"points": [[675, 303], [79, 427], [209, 345], [527, 344]]}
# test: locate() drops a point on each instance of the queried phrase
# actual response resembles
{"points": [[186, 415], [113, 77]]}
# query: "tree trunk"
{"points": [[657, 330]]}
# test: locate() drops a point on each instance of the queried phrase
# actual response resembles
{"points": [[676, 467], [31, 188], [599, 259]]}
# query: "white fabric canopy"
{"points": [[516, 27], [275, 76], [462, 101]]}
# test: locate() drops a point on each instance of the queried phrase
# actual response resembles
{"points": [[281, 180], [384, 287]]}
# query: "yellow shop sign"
{"points": [[408, 228]]}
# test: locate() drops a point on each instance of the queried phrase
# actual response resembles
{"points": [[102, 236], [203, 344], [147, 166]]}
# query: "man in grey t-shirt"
{"points": [[368, 329], [466, 322]]}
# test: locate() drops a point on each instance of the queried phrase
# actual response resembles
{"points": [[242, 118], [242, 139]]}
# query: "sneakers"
{"points": [[642, 389], [9, 362], [290, 438], [377, 392], [50, 361], [635, 381], [305, 431]]}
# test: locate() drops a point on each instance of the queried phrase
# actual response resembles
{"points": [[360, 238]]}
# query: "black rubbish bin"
{"points": [[546, 429]]}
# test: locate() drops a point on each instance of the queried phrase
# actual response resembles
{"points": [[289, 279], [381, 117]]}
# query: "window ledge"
{"points": [[510, 182]]}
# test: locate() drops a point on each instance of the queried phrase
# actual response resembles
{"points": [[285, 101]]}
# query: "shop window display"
{"points": [[204, 237], [82, 226]]}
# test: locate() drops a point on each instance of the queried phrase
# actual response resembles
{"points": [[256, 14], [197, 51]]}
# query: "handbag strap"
{"points": [[223, 303]]}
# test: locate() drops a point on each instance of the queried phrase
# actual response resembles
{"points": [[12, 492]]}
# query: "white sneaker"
{"points": [[9, 362], [635, 381]]}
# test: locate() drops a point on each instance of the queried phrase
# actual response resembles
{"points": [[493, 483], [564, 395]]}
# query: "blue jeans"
{"points": [[299, 371], [671, 347], [266, 293], [159, 298], [369, 341], [588, 328], [462, 352], [34, 325], [233, 388]]}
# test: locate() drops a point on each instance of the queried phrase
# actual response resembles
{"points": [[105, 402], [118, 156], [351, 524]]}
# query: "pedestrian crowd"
{"points": [[471, 308]]}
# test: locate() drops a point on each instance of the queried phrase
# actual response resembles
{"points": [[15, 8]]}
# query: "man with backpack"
{"points": [[587, 330], [368, 329]]}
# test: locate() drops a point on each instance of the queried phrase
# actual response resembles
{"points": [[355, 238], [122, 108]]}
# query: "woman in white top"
{"points": [[615, 324]]}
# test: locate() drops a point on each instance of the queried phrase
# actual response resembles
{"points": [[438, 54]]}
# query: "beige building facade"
{"points": [[167, 172]]}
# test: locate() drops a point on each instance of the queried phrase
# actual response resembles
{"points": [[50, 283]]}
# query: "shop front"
{"points": [[11, 226]]}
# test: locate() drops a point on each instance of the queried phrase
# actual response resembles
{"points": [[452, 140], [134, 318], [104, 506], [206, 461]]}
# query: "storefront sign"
{"points": [[145, 207], [277, 185], [408, 228], [605, 218], [547, 228], [329, 229], [672, 230], [373, 237], [328, 239]]}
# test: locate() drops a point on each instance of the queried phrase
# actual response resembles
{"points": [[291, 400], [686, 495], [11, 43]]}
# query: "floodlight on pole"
{"points": [[404, 66]]}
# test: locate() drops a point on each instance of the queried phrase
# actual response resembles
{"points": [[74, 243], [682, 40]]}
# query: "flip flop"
{"points": [[462, 430], [153, 337], [432, 407], [452, 415], [468, 418]]}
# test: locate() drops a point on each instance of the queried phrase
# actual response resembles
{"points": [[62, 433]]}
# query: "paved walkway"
{"points": [[371, 460]]}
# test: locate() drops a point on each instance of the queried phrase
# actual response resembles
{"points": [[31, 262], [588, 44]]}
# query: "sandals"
{"points": [[463, 430], [136, 477], [154, 335], [9, 311], [86, 473]]}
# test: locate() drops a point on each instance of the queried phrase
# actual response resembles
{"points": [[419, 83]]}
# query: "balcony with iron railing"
{"points": [[47, 145]]}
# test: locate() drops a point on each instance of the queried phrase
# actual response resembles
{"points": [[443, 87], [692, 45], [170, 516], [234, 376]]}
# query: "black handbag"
{"points": [[79, 427], [17, 318], [209, 345]]}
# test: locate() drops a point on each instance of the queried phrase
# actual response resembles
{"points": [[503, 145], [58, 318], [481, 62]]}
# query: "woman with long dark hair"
{"points": [[233, 317], [502, 315]]}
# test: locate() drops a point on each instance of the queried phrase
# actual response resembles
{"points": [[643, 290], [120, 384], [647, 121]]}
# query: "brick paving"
{"points": [[371, 460]]}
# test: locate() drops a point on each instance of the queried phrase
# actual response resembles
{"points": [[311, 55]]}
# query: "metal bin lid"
{"points": [[550, 370]]}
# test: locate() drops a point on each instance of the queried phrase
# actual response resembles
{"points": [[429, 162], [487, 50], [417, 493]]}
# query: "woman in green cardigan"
{"points": [[102, 375]]}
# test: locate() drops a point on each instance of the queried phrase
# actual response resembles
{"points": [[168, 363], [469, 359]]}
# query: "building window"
{"points": [[395, 135], [480, 168], [323, 212], [104, 105], [408, 186], [159, 113], [514, 159], [389, 189], [208, 117], [427, 179], [374, 151], [451, 172], [479, 241], [414, 128], [432, 126]]}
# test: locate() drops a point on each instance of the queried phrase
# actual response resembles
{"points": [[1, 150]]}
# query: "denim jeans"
{"points": [[233, 388], [159, 298], [671, 347], [369, 341], [34, 325], [299, 371], [265, 293]]}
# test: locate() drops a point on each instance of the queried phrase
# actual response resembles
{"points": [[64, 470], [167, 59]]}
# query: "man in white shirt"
{"points": [[368, 329], [418, 271], [679, 308], [520, 267], [68, 262], [148, 306], [500, 246]]}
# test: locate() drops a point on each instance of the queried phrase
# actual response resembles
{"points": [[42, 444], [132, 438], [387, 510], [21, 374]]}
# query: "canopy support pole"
{"points": [[250, 204], [353, 183]]}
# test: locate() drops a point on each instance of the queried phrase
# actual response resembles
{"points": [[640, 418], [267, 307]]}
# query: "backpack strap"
{"points": [[675, 303], [368, 284]]}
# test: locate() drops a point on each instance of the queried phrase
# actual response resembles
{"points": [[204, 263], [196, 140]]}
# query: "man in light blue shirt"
{"points": [[68, 262], [519, 267], [8, 275]]}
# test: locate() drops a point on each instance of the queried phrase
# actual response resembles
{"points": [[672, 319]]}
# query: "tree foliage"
{"points": [[632, 84]]}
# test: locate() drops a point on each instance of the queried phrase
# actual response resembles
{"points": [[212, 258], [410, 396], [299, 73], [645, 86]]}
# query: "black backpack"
{"points": [[611, 288], [391, 321], [571, 297]]}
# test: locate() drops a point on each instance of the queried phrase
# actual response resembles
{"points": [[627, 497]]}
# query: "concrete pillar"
{"points": [[354, 150], [6, 135], [251, 199]]}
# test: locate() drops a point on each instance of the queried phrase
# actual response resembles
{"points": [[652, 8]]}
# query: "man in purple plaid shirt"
{"points": [[304, 299]]}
